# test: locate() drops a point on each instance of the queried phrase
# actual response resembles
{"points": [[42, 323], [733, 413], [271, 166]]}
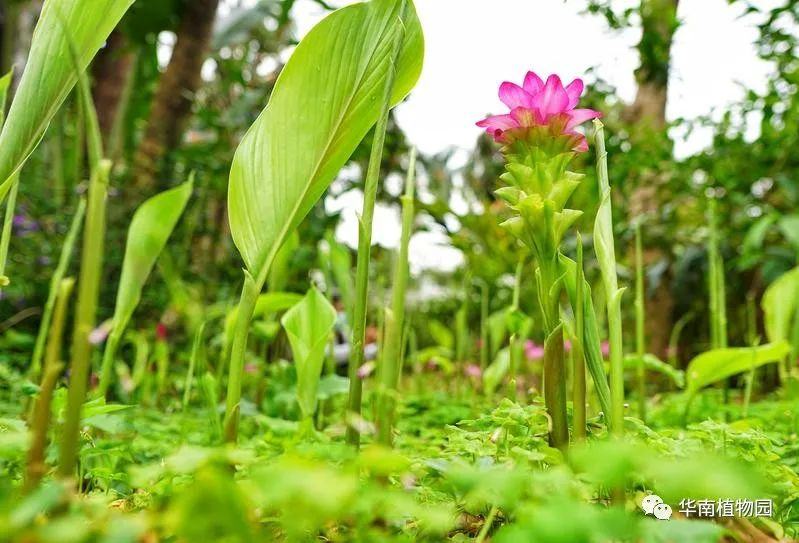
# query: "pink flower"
{"points": [[537, 103], [472, 370], [160, 331], [567, 345], [605, 346], [533, 351], [366, 370]]}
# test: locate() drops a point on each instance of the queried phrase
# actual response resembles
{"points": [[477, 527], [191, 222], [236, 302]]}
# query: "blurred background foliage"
{"points": [[179, 81]]}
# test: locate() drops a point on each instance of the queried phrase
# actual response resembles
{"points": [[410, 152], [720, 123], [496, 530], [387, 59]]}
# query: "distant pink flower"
{"points": [[533, 351], [605, 346], [567, 345], [537, 103], [99, 334], [366, 370], [472, 370], [251, 368], [160, 331]]}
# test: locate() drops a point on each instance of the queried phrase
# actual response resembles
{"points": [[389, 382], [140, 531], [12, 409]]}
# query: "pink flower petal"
{"points": [[513, 96], [582, 146], [579, 116], [495, 125], [574, 90], [532, 83], [553, 99]]}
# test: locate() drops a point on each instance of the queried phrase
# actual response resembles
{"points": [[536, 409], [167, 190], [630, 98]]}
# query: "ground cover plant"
{"points": [[190, 352]]}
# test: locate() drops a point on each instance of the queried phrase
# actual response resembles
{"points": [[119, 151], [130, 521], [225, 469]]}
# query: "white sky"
{"points": [[474, 45]]}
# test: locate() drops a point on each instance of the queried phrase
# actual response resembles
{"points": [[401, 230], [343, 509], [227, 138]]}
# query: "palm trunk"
{"points": [[648, 114], [171, 107]]}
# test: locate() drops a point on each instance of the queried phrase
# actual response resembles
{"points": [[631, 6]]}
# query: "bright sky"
{"points": [[473, 45]]}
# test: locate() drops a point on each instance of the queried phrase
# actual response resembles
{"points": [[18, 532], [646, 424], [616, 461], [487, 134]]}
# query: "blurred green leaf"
{"points": [[716, 365]]}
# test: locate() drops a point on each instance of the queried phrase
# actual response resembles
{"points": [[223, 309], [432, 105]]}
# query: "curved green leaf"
{"points": [[325, 101], [779, 305], [595, 362], [148, 233], [716, 365], [653, 363], [50, 73], [308, 326], [496, 372]]}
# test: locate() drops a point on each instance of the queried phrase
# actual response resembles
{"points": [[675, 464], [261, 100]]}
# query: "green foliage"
{"points": [[718, 364], [780, 303], [308, 326], [310, 127], [49, 75]]}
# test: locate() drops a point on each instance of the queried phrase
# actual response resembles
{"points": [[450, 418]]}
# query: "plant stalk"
{"points": [[604, 245], [60, 270], [640, 338], [85, 314], [249, 296], [365, 240], [392, 350], [578, 352], [36, 466]]}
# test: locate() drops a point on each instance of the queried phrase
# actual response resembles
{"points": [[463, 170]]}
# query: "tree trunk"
{"points": [[112, 71], [648, 114], [172, 103]]}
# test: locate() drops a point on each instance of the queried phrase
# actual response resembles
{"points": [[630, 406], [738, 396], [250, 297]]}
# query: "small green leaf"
{"points": [[719, 364], [496, 372], [308, 326], [148, 233]]}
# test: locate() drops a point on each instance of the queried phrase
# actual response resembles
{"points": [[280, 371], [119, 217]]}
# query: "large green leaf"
{"points": [[50, 72], [779, 305], [719, 364], [326, 99], [308, 326], [148, 233]]}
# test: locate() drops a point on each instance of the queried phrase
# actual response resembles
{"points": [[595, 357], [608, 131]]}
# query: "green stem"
{"points": [[88, 292], [195, 354], [604, 245], [392, 350], [487, 523], [249, 296], [36, 466], [578, 352], [8, 224], [365, 239], [484, 325], [515, 347], [60, 270], [640, 340]]}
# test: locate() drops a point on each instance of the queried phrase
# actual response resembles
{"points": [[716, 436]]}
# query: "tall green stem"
{"points": [[391, 363], [60, 270], [515, 347], [85, 314], [365, 239], [52, 370], [554, 368], [249, 296], [640, 341], [484, 325], [578, 352], [604, 245], [8, 224]]}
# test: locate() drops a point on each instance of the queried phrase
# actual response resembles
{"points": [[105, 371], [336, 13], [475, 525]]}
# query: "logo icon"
{"points": [[653, 505]]}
